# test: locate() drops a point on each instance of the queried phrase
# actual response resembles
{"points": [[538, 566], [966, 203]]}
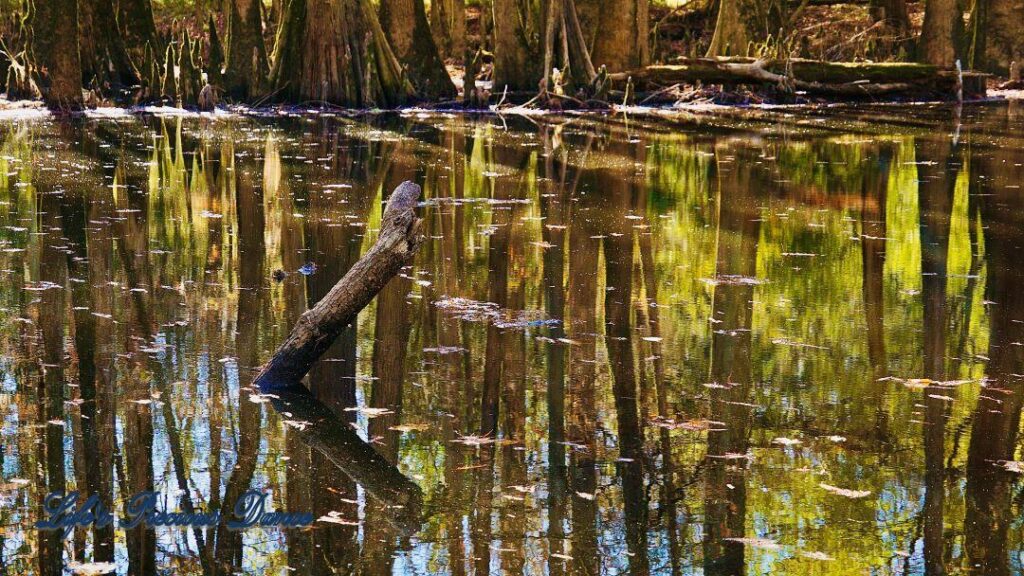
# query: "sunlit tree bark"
{"points": [[733, 29]]}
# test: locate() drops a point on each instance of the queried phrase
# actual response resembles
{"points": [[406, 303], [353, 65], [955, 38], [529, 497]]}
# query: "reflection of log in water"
{"points": [[319, 428]]}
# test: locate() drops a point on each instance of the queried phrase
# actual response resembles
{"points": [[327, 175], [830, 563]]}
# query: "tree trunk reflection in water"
{"points": [[996, 420], [937, 172], [392, 326], [725, 478], [136, 467], [334, 244], [251, 279], [620, 191], [554, 205], [873, 250], [94, 448], [52, 306], [581, 426]]}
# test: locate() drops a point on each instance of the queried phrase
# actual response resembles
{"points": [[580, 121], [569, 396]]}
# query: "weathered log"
{"points": [[318, 327], [811, 76]]}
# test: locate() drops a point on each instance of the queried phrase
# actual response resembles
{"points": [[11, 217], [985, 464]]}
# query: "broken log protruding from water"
{"points": [[844, 79], [318, 327]]}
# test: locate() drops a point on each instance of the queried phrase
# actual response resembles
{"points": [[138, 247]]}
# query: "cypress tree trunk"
{"points": [[246, 70], [405, 26], [135, 17], [1005, 27], [621, 43], [565, 47], [103, 53], [733, 30], [894, 17], [448, 23], [938, 33], [55, 48], [515, 68], [335, 51]]}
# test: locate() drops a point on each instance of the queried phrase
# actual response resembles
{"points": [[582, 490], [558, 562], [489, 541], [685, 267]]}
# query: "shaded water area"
{"points": [[786, 343]]}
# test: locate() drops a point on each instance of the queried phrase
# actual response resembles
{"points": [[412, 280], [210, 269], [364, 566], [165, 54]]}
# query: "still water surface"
{"points": [[787, 343]]}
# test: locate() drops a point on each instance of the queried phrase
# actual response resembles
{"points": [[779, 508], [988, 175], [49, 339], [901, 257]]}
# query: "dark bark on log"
{"points": [[317, 328]]}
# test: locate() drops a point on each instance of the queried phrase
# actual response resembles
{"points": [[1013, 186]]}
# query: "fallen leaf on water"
{"points": [[585, 495], [368, 411], [409, 427], [334, 518], [816, 555], [756, 543], [93, 567], [782, 441], [845, 492], [1013, 466]]}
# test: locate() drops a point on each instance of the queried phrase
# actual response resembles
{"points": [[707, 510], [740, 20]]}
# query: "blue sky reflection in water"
{"points": [[784, 342]]}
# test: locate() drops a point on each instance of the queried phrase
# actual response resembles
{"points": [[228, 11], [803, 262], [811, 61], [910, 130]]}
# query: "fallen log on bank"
{"points": [[813, 77], [319, 326]]}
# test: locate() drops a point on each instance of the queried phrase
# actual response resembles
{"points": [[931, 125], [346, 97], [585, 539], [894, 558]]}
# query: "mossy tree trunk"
{"points": [[102, 49], [516, 65], [335, 51], [246, 71], [939, 33], [58, 68], [406, 28], [448, 24]]}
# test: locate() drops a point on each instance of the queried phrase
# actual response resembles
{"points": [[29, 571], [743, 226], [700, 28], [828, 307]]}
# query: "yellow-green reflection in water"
{"points": [[782, 343]]}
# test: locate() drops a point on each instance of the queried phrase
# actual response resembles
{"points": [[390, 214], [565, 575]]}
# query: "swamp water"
{"points": [[790, 342]]}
